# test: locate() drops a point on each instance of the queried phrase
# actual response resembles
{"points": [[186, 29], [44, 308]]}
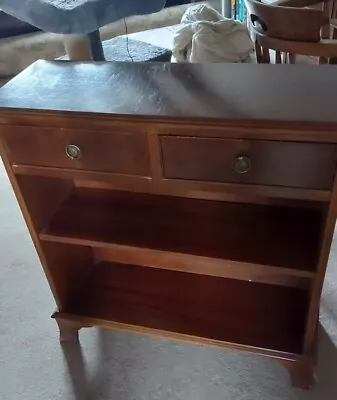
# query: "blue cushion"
{"points": [[77, 16]]}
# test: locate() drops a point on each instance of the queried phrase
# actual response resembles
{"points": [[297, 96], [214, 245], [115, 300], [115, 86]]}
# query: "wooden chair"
{"points": [[290, 29], [334, 20]]}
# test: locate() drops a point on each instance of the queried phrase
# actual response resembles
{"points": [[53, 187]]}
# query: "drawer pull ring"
{"points": [[73, 152], [242, 165]]}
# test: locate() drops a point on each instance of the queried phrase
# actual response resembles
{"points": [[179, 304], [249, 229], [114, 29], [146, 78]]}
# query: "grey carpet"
{"points": [[125, 366], [123, 49]]}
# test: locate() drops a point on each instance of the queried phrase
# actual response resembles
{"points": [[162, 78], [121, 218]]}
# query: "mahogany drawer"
{"points": [[292, 164], [119, 152]]}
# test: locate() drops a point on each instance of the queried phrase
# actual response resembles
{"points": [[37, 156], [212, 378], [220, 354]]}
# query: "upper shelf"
{"points": [[213, 238], [232, 92]]}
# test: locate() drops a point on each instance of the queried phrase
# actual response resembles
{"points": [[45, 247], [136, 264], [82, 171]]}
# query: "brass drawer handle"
{"points": [[242, 164], [73, 152]]}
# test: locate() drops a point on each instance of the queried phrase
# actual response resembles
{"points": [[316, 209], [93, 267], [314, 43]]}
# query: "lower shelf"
{"points": [[240, 312]]}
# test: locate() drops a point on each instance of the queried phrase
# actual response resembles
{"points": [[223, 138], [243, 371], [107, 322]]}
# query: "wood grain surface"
{"points": [[217, 308], [230, 91], [153, 228], [228, 231]]}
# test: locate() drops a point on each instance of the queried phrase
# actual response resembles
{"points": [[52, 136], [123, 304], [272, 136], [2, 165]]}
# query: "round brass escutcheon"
{"points": [[242, 164], [73, 152]]}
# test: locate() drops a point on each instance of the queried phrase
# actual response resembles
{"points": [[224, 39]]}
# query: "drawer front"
{"points": [[292, 164], [119, 152]]}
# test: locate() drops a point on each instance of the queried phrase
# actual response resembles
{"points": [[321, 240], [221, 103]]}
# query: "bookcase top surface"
{"points": [[294, 93]]}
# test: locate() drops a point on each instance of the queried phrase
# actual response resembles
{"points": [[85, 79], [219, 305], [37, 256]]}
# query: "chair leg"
{"points": [[278, 57], [285, 58], [292, 58], [334, 16], [77, 47], [266, 55], [258, 52], [334, 27], [84, 47], [96, 47], [327, 10]]}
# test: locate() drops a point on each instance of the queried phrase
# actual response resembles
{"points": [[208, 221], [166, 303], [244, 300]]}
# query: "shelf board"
{"points": [[267, 244], [215, 309], [198, 189]]}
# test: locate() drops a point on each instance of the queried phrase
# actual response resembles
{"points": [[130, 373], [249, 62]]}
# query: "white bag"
{"points": [[205, 36]]}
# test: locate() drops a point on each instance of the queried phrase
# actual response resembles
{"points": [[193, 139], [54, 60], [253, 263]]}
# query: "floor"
{"points": [[161, 37], [125, 366]]}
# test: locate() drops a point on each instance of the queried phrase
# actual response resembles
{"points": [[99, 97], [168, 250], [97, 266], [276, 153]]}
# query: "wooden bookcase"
{"points": [[185, 219]]}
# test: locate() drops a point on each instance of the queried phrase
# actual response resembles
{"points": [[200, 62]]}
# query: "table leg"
{"points": [[78, 47], [96, 47], [84, 47]]}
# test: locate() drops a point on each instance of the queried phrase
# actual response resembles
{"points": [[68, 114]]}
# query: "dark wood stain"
{"points": [[288, 164], [153, 229], [101, 151], [270, 316], [197, 227], [234, 91]]}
